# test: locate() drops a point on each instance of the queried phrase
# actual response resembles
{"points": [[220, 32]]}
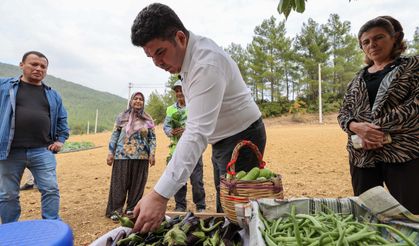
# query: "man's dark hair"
{"points": [[155, 21], [37, 53]]}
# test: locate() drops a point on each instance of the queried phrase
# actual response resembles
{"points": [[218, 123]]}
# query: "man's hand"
{"points": [[55, 147], [177, 132], [371, 135], [109, 159], [149, 212]]}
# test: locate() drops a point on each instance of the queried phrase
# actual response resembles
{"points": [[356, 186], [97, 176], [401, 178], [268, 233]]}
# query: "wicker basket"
{"points": [[233, 191]]}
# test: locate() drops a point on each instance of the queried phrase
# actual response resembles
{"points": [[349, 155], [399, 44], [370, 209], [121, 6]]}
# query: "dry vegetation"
{"points": [[311, 158]]}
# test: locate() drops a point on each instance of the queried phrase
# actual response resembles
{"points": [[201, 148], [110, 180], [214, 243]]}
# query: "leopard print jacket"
{"points": [[396, 110]]}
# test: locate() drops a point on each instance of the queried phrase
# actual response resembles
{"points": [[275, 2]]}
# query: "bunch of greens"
{"points": [[178, 119]]}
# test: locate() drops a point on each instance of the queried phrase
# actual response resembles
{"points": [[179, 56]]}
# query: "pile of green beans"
{"points": [[327, 229]]}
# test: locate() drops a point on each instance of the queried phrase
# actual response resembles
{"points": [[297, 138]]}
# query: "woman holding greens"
{"points": [[131, 151]]}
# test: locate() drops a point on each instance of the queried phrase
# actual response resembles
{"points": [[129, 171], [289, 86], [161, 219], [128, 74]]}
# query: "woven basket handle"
{"points": [[235, 156]]}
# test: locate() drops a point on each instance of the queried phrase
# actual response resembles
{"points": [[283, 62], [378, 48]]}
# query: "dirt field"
{"points": [[311, 158]]}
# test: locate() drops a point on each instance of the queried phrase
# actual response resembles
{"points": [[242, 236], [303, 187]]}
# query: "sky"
{"points": [[88, 42]]}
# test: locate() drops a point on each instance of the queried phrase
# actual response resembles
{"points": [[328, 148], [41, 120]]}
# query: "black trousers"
{"points": [[222, 150], [198, 191], [128, 181], [401, 179]]}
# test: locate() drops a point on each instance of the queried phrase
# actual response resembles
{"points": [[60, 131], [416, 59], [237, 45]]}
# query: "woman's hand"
{"points": [[371, 135], [152, 160], [109, 159]]}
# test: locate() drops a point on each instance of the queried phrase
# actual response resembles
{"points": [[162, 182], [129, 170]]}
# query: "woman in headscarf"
{"points": [[131, 150]]}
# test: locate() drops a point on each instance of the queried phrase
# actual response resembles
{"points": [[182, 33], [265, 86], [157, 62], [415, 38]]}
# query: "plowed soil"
{"points": [[311, 158]]}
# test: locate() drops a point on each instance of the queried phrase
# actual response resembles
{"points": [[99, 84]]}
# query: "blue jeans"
{"points": [[41, 162]]}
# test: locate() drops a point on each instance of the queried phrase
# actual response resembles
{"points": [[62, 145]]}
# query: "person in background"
{"points": [[198, 191], [33, 126], [221, 110], [30, 181], [381, 108], [131, 151]]}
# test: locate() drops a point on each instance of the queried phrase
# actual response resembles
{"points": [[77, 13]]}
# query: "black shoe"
{"points": [[27, 187], [180, 209]]}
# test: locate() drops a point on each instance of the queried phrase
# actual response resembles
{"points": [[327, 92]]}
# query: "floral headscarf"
{"points": [[133, 120]]}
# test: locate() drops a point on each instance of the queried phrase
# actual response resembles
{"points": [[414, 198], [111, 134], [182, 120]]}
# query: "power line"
{"points": [[142, 86], [136, 85]]}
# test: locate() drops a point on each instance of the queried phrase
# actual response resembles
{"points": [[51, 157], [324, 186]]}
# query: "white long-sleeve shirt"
{"points": [[219, 106]]}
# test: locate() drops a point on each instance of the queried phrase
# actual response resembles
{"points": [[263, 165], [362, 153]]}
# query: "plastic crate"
{"points": [[36, 232]]}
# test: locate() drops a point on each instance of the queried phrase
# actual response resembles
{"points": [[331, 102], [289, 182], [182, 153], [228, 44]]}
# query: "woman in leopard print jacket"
{"points": [[381, 108]]}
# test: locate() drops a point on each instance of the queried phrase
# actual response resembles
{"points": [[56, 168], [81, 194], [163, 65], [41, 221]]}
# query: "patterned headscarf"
{"points": [[132, 120]]}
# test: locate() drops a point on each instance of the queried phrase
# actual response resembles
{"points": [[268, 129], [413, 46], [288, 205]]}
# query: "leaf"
{"points": [[300, 6], [284, 7]]}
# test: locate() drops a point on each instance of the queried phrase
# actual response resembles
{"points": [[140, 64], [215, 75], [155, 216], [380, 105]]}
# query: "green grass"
{"points": [[76, 146]]}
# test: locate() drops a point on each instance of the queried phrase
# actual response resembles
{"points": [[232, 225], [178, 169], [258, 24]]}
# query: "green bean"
{"points": [[342, 233], [380, 239], [325, 238], [275, 224], [389, 244], [310, 218], [413, 235], [264, 221], [268, 240], [327, 229], [347, 218], [399, 233], [289, 231], [296, 228], [285, 239], [285, 226], [306, 231], [359, 235]]}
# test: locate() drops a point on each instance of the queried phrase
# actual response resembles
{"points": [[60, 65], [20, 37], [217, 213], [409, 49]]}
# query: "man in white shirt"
{"points": [[221, 110]]}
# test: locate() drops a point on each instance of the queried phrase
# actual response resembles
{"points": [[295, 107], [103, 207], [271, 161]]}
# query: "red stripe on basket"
{"points": [[254, 187], [237, 199]]}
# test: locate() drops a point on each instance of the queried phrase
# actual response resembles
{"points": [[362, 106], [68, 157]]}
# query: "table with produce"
{"points": [[256, 213]]}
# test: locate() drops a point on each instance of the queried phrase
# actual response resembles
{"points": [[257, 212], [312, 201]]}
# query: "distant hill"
{"points": [[81, 102]]}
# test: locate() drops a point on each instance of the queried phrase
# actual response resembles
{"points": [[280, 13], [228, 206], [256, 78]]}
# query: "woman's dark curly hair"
{"points": [[393, 27], [156, 21]]}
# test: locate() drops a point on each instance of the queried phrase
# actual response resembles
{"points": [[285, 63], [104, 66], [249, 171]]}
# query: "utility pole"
{"points": [[320, 95], [97, 112], [130, 85], [88, 127]]}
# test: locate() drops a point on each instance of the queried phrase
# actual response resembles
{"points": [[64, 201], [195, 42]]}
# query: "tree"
{"points": [[312, 48], [171, 81], [267, 36], [156, 107], [269, 55], [256, 66], [345, 56], [241, 57], [414, 44]]}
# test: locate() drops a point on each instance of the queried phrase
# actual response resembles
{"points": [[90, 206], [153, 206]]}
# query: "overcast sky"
{"points": [[88, 42]]}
